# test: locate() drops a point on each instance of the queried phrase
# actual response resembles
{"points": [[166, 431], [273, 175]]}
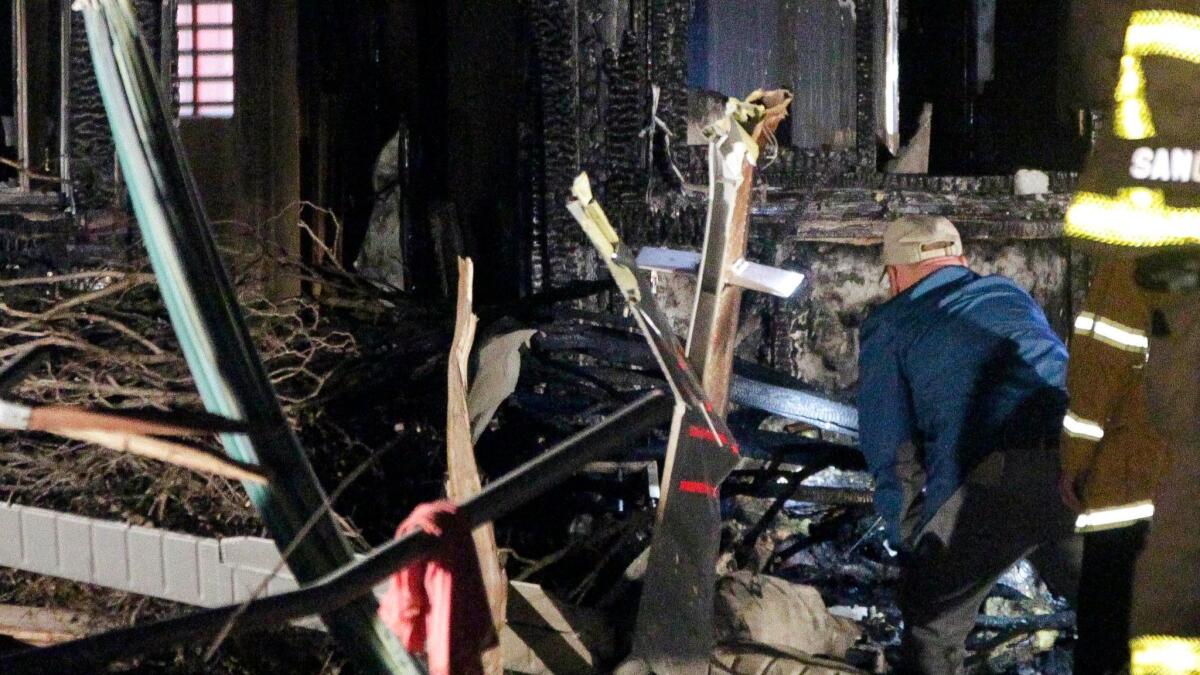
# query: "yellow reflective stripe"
{"points": [[1132, 119], [1081, 427], [1135, 217], [1158, 32], [1112, 517], [1164, 655], [1150, 33]]}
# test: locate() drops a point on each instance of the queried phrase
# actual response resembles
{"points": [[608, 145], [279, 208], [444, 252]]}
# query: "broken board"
{"points": [[677, 598], [462, 472]]}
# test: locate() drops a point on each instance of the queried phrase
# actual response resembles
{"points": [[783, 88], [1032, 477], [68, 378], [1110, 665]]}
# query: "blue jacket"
{"points": [[954, 368]]}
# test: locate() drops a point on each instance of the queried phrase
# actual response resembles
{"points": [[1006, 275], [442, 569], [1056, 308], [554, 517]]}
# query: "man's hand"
{"points": [[1068, 487]]}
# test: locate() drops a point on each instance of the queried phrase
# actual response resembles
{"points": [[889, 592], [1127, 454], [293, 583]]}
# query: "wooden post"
{"points": [[21, 52], [732, 158], [674, 632]]}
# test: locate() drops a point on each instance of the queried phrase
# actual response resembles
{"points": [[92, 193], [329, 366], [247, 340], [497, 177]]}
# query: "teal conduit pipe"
{"points": [[208, 321]]}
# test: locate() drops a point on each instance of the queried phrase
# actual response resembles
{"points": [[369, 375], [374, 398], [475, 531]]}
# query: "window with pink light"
{"points": [[204, 80]]}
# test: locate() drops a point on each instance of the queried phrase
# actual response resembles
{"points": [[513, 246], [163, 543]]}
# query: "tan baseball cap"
{"points": [[912, 239]]}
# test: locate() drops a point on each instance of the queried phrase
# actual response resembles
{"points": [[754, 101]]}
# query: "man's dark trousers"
{"points": [[1008, 506]]}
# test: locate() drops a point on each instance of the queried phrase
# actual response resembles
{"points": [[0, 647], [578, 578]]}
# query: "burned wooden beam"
{"points": [[734, 148], [858, 215], [21, 52]]}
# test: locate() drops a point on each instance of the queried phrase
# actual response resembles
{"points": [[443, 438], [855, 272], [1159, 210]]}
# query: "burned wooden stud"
{"points": [[733, 151]]}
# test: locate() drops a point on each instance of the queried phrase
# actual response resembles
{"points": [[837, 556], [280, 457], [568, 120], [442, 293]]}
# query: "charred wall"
{"points": [[832, 236], [90, 146], [594, 67], [821, 204]]}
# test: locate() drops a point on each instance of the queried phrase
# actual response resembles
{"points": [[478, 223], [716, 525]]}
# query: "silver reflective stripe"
{"points": [[1120, 336], [1084, 323], [1079, 427], [1112, 333], [1116, 516]]}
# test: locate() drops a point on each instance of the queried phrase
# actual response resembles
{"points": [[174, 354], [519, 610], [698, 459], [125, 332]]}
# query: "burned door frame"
{"points": [[22, 35]]}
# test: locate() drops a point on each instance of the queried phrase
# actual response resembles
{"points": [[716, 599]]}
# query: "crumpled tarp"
{"points": [[775, 612]]}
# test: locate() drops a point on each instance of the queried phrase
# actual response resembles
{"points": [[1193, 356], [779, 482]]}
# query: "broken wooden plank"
{"points": [[462, 473], [39, 626], [732, 155], [129, 434]]}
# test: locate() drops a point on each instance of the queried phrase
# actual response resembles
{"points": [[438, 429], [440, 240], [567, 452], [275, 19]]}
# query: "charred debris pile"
{"points": [[749, 525], [360, 370], [361, 378]]}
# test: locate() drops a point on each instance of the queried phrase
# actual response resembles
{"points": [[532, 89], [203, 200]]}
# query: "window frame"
{"points": [[34, 189], [197, 107]]}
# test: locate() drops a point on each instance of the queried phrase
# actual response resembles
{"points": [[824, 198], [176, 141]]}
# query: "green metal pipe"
{"points": [[212, 331]]}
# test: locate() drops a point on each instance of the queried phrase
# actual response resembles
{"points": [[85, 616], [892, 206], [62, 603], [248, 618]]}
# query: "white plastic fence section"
{"points": [[180, 567]]}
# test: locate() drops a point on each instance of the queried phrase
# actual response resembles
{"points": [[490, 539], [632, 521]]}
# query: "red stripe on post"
{"points": [[696, 487], [706, 435]]}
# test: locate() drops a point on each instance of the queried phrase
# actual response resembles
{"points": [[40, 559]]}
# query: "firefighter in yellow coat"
{"points": [[1140, 196], [1112, 459]]}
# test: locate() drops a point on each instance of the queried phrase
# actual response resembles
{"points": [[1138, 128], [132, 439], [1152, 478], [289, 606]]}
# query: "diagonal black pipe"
{"points": [[342, 587]]}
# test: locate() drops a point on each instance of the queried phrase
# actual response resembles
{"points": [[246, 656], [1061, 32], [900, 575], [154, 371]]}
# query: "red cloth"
{"points": [[438, 605]]}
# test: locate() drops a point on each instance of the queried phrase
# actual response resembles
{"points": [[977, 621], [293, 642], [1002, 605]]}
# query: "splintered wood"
{"points": [[462, 475], [732, 158]]}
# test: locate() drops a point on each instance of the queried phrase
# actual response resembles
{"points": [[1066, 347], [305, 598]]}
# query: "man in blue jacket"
{"points": [[962, 392]]}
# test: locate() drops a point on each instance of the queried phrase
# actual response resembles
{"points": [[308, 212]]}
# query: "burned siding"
{"points": [[806, 46], [594, 66], [820, 205], [832, 235]]}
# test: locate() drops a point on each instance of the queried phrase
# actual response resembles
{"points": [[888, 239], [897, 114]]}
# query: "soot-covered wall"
{"points": [[92, 156], [821, 206]]}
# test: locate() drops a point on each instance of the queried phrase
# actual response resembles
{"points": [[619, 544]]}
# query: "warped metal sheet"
{"points": [[743, 273]]}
